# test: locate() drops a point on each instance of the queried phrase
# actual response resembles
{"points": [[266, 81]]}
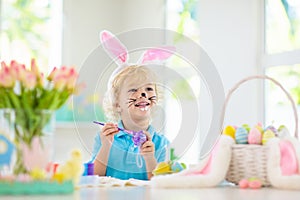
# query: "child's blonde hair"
{"points": [[111, 97]]}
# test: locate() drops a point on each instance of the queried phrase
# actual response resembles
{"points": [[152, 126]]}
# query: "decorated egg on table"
{"points": [[254, 136], [230, 131], [162, 168], [177, 167], [254, 183], [241, 135], [244, 183], [268, 134]]}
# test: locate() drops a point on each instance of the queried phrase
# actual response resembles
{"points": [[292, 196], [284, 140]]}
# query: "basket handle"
{"points": [[262, 77]]}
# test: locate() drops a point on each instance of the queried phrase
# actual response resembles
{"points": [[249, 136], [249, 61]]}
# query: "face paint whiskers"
{"points": [[152, 99], [131, 102]]}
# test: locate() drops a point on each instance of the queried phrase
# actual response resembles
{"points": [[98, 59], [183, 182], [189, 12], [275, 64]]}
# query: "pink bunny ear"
{"points": [[157, 54], [114, 48]]}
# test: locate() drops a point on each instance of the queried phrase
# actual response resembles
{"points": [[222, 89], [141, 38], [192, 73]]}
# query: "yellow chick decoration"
{"points": [[73, 168]]}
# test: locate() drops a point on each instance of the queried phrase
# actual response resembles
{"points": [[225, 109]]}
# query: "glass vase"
{"points": [[26, 125], [6, 141]]}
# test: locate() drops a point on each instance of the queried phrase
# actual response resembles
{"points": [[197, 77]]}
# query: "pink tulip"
{"points": [[18, 70], [3, 65], [63, 70], [34, 68], [29, 81], [52, 75], [71, 79], [41, 80], [36, 72], [60, 82], [6, 78]]}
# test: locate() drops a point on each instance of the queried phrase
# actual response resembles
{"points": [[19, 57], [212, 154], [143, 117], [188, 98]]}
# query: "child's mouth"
{"points": [[144, 106]]}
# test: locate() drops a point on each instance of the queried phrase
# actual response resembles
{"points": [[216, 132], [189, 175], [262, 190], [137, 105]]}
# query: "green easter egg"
{"points": [[246, 126]]}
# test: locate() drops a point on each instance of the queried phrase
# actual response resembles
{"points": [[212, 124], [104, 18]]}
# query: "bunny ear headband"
{"points": [[119, 53]]}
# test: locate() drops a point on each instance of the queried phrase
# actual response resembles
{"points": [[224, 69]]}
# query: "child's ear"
{"points": [[118, 107]]}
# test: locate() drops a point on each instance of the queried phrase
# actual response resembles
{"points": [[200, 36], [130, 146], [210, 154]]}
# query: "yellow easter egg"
{"points": [[230, 131], [268, 134], [259, 127], [162, 168]]}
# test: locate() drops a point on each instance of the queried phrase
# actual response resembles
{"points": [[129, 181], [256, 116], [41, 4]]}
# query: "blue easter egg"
{"points": [[176, 167], [241, 135]]}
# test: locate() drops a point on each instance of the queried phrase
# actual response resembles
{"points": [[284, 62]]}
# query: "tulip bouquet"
{"points": [[29, 94]]}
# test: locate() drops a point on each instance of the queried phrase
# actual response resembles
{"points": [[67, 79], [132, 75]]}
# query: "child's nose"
{"points": [[143, 94]]}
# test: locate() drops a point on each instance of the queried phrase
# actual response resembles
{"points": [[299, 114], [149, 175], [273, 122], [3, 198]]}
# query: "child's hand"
{"points": [[107, 133], [147, 148], [147, 151]]}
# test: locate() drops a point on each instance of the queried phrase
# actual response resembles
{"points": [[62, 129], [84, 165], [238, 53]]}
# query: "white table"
{"points": [[138, 193]]}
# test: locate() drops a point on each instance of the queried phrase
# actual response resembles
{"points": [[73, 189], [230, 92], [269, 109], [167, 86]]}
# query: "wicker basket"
{"points": [[248, 160]]}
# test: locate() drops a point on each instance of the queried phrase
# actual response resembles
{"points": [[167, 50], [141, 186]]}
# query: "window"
{"points": [[282, 59], [31, 29], [181, 17]]}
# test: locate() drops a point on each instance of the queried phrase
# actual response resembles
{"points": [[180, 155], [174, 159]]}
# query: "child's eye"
{"points": [[132, 90], [149, 89]]}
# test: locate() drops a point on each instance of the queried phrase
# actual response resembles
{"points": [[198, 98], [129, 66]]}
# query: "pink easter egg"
{"points": [[244, 183], [254, 136], [255, 184]]}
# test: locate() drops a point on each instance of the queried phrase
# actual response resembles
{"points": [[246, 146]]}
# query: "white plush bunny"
{"points": [[210, 171]]}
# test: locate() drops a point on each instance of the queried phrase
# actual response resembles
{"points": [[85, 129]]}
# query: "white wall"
{"points": [[230, 34], [83, 21]]}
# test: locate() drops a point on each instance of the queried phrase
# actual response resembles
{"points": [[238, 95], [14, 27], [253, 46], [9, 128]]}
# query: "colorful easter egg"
{"points": [[255, 184], [272, 128], [230, 131], [241, 135], [244, 183], [254, 136], [177, 167], [246, 126], [268, 134], [282, 131], [259, 127]]}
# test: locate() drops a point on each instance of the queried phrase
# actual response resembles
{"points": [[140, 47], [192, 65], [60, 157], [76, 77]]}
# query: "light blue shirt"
{"points": [[122, 162]]}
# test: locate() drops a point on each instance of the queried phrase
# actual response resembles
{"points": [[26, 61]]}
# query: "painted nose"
{"points": [[143, 94]]}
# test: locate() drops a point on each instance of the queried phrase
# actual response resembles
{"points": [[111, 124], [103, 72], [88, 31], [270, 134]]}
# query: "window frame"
{"points": [[267, 61]]}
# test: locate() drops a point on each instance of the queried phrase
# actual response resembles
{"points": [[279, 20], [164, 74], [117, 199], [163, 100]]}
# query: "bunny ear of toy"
{"points": [[114, 48], [157, 54]]}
